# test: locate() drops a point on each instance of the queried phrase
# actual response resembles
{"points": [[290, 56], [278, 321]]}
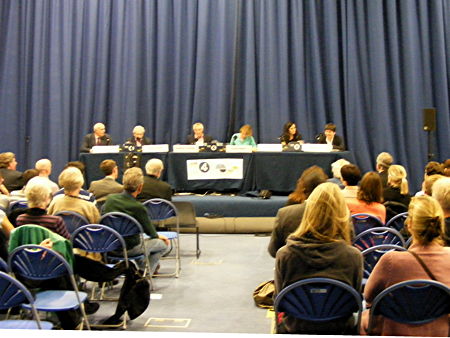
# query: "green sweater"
{"points": [[126, 203]]}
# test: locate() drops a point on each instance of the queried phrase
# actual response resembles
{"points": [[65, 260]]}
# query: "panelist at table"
{"points": [[198, 137], [97, 138], [290, 134], [329, 137], [244, 137], [139, 139]]}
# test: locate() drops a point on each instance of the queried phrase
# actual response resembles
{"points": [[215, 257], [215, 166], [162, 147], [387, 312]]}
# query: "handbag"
{"points": [[263, 294], [422, 263]]}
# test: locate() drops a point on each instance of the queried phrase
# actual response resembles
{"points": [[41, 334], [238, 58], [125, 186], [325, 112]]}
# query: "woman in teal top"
{"points": [[244, 138]]}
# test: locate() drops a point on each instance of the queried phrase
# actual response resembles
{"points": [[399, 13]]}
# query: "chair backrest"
{"points": [[3, 265], [13, 293], [98, 238], [378, 236], [398, 221], [124, 224], [17, 205], [319, 300], [394, 208], [372, 256], [160, 210], [72, 219], [413, 302], [363, 222]]}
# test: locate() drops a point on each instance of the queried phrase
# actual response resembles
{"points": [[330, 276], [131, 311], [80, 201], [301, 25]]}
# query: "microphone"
{"points": [[235, 136], [319, 136]]}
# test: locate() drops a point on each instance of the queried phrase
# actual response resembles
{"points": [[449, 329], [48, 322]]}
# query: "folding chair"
{"points": [[187, 219], [159, 211], [363, 222], [12, 294], [102, 239], [413, 302], [17, 205], [398, 221], [378, 236], [372, 256], [3, 266], [72, 219], [320, 300], [37, 263]]}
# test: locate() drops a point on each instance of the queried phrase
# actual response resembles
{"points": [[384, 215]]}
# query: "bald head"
{"points": [[44, 166], [154, 167]]}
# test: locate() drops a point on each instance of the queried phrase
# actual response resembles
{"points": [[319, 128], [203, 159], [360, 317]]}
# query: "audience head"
{"points": [[44, 166], [246, 131], [308, 181], [8, 161], [429, 183], [384, 161], [397, 178], [138, 132], [441, 192], [29, 174], [290, 128], [371, 188], [77, 164], [38, 196], [425, 220], [326, 216], [350, 174], [336, 167], [99, 129], [198, 129], [154, 167], [446, 166], [108, 167], [71, 179], [330, 130], [434, 168], [133, 179]]}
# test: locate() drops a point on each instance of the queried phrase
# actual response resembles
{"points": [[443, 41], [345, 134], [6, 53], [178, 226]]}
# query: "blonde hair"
{"points": [[429, 182], [326, 217], [397, 178], [441, 192], [38, 195], [246, 130], [425, 220], [71, 179], [6, 159], [132, 178]]}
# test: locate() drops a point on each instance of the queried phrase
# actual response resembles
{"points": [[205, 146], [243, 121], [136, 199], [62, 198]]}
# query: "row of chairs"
{"points": [[364, 221], [322, 300]]}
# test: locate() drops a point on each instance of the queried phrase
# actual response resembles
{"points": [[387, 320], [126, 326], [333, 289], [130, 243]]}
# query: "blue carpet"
{"points": [[233, 206]]}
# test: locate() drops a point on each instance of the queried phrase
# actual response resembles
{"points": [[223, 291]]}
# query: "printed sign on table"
{"points": [[215, 169]]}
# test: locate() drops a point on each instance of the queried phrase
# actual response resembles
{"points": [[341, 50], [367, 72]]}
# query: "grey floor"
{"points": [[213, 293]]}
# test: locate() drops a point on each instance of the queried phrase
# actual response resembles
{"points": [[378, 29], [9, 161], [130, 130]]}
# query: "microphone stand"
{"points": [[430, 153]]}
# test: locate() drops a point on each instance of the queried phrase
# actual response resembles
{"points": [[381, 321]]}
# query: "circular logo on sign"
{"points": [[204, 167], [221, 168], [213, 147], [296, 146]]}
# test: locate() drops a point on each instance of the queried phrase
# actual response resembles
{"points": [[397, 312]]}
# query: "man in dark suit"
{"points": [[97, 138], [107, 185], [13, 179], [153, 186], [139, 139], [329, 137], [198, 137]]}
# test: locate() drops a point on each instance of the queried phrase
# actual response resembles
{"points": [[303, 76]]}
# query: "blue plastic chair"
{"points": [[412, 302], [159, 211], [378, 236], [13, 293], [320, 300], [126, 225], [35, 262], [362, 222], [398, 221], [372, 256], [72, 219], [3, 266], [17, 205]]}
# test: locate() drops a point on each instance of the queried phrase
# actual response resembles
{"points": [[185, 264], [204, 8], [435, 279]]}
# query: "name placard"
{"points": [[238, 149], [105, 149], [155, 148], [185, 148], [317, 148], [273, 147]]}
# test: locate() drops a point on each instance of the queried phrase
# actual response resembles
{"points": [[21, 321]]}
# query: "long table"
{"points": [[275, 171]]}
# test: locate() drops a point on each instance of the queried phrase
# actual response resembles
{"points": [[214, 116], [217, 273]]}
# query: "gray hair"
{"points": [[132, 178], [138, 129], [37, 195], [154, 166], [71, 179], [441, 192]]}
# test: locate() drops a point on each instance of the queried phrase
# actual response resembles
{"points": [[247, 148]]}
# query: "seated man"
{"points": [[384, 161], [44, 167], [329, 137], [156, 245], [139, 139], [351, 175], [198, 137], [107, 185], [153, 186], [97, 138], [13, 179]]}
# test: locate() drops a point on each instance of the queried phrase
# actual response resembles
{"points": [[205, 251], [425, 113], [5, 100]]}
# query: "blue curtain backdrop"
{"points": [[370, 66]]}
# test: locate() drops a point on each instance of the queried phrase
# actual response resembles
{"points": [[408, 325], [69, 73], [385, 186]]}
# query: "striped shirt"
{"points": [[38, 216]]}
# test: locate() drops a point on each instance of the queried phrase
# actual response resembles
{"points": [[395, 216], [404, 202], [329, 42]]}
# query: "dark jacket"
{"points": [[155, 188], [13, 179], [89, 142], [285, 138], [338, 142], [394, 195], [304, 258], [191, 139], [145, 140]]}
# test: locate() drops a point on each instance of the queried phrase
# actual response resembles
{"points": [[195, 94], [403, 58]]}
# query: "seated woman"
{"points": [[425, 222], [320, 247], [244, 137], [310, 178], [290, 134], [397, 189], [369, 197]]}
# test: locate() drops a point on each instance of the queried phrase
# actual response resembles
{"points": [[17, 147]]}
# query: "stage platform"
{"points": [[234, 214]]}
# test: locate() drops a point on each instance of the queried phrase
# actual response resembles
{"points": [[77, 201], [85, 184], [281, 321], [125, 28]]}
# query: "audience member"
{"points": [[5, 230], [155, 245], [4, 195], [351, 175], [107, 185], [433, 168], [441, 192], [153, 186], [27, 176], [139, 139], [336, 170], [13, 179], [289, 217], [244, 137], [369, 198], [198, 137], [97, 138], [320, 247], [446, 166], [429, 182], [384, 161], [425, 222], [290, 134], [84, 194], [397, 189], [329, 137], [44, 167]]}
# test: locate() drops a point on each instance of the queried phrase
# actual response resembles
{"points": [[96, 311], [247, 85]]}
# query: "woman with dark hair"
{"points": [[290, 134], [425, 222], [369, 197], [309, 179]]}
